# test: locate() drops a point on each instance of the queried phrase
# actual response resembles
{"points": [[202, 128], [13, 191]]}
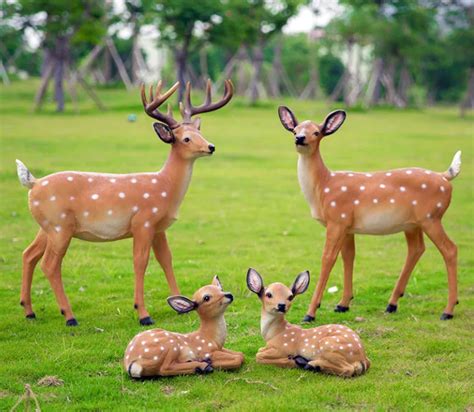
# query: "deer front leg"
{"points": [[163, 256], [334, 238], [416, 247], [226, 359], [273, 356], [348, 256], [141, 252]]}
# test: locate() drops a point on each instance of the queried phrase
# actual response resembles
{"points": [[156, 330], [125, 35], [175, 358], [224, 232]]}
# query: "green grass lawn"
{"points": [[244, 208]]}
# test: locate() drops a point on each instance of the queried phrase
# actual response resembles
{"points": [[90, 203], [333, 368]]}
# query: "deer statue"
{"points": [[411, 200], [102, 207], [157, 352], [333, 349]]}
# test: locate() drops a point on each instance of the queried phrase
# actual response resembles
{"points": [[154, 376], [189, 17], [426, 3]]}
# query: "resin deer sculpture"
{"points": [[103, 207], [158, 352], [411, 200], [333, 349]]}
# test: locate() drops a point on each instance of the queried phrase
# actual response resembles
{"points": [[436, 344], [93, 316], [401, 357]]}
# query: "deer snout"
{"points": [[281, 307], [299, 140], [212, 148], [230, 297]]}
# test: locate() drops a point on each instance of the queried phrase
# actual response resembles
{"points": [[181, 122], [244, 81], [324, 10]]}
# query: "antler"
{"points": [[156, 101], [188, 110]]}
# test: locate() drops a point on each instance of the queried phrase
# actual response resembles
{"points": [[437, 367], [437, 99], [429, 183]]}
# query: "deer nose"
{"points": [[281, 307], [212, 148], [229, 296], [300, 139]]}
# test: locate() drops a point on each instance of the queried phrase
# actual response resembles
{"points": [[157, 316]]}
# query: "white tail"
{"points": [[25, 176], [454, 168]]}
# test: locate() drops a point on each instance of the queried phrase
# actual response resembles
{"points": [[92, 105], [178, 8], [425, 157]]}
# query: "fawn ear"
{"points": [[181, 304], [217, 282], [197, 123], [333, 121], [164, 132], [301, 283], [255, 282], [287, 118]]}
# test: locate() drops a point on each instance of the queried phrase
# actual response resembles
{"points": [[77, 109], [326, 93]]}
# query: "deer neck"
{"points": [[177, 173], [214, 329], [271, 325]]}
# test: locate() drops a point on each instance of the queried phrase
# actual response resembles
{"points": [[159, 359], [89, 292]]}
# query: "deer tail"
{"points": [[454, 168], [25, 176]]}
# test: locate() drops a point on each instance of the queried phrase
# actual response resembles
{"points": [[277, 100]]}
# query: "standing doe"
{"points": [[158, 352], [411, 200], [334, 349], [102, 207]]}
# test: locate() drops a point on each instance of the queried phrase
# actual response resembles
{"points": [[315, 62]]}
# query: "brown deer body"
{"points": [[411, 200], [333, 349], [103, 207], [158, 352]]}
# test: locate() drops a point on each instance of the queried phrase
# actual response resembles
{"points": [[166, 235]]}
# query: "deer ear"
{"points": [[333, 121], [197, 123], [217, 282], [164, 132], [255, 282], [287, 118], [301, 283], [181, 304]]}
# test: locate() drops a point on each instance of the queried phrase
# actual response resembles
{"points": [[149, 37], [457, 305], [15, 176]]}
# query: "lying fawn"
{"points": [[102, 207], [411, 200], [333, 349], [157, 352]]}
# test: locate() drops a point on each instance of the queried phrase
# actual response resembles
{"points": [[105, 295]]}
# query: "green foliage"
{"points": [[244, 208], [330, 71]]}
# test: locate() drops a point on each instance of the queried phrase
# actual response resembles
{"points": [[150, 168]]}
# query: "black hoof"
{"points": [[446, 316], [205, 371], [72, 322], [147, 321], [310, 368], [308, 319], [402, 294], [300, 361], [391, 308], [31, 316], [340, 308]]}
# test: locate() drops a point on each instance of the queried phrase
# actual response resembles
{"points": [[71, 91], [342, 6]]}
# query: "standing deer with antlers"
{"points": [[102, 207], [411, 200]]}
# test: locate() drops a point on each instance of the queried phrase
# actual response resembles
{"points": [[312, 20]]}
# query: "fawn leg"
{"points": [[274, 357], [335, 235], [164, 258], [226, 360], [31, 257], [348, 256], [435, 231], [416, 247], [51, 265]]}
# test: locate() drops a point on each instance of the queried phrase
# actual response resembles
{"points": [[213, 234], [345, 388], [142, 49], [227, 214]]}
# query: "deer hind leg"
{"points": [[163, 256], [141, 253], [227, 360], [336, 364], [31, 257], [416, 248], [275, 357], [435, 231], [348, 256], [334, 239], [51, 266]]}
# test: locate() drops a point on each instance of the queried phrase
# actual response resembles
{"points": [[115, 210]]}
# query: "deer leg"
{"points": [[447, 248], [226, 359], [142, 241], [51, 266], [171, 366], [334, 239], [348, 256], [164, 258], [416, 248], [31, 257], [275, 357]]}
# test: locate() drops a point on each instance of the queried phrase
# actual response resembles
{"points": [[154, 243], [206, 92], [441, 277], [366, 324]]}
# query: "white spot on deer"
{"points": [[90, 180], [333, 203], [175, 349], [147, 350], [199, 348], [164, 194], [333, 174], [428, 172], [86, 213], [126, 357], [356, 202], [414, 202], [156, 340], [382, 186], [57, 228], [343, 215], [362, 188], [402, 189], [375, 201], [109, 212], [341, 347], [368, 174], [408, 172], [155, 358], [428, 215], [442, 188], [171, 341], [121, 195], [146, 195], [44, 182], [327, 190], [95, 196], [147, 224], [133, 180], [350, 345], [423, 186], [344, 188], [154, 210], [52, 198], [135, 209], [292, 339], [143, 342], [154, 181], [439, 204], [351, 174], [35, 203], [388, 174], [209, 344], [70, 178], [285, 344], [112, 180], [63, 215], [162, 348], [71, 198], [392, 201]]}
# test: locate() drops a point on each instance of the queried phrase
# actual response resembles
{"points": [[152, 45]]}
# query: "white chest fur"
{"points": [[307, 184]]}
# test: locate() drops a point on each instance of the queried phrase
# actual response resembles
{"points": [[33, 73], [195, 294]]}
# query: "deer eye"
{"points": [[268, 295], [186, 139], [290, 298], [207, 298], [316, 133]]}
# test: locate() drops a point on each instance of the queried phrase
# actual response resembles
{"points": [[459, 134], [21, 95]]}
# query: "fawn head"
{"points": [[209, 301], [277, 298], [185, 137], [308, 134]]}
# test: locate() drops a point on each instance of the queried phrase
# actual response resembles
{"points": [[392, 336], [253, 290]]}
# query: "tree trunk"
{"points": [[119, 63], [242, 57], [276, 69], [468, 102], [257, 70], [404, 84], [60, 59], [203, 65], [373, 88]]}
